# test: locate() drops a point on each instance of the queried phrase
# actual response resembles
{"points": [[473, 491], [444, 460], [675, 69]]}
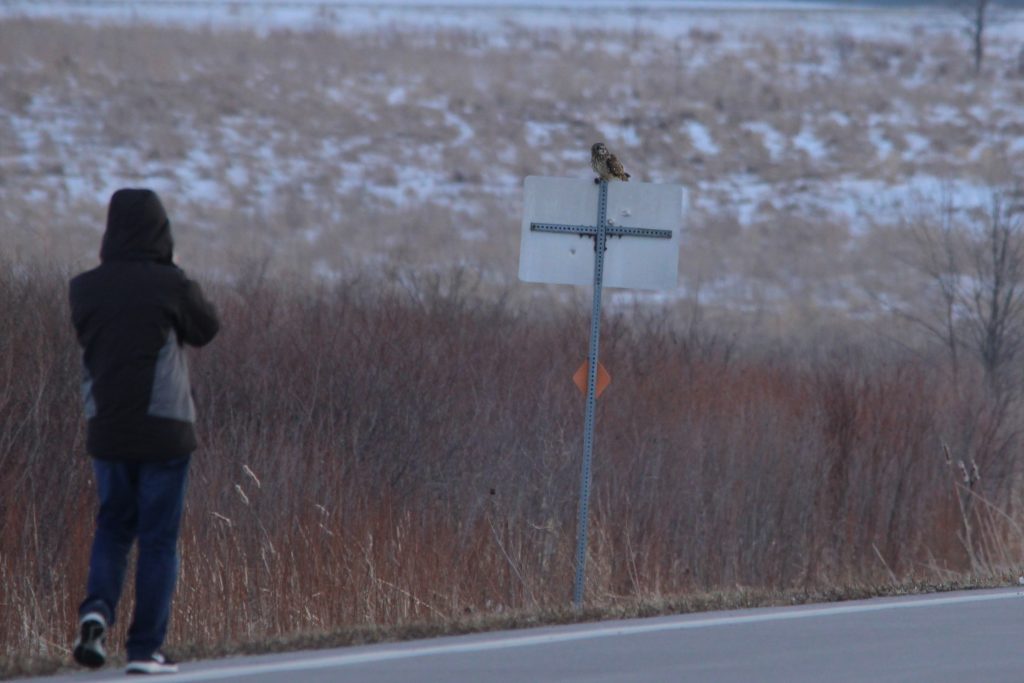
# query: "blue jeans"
{"points": [[144, 501]]}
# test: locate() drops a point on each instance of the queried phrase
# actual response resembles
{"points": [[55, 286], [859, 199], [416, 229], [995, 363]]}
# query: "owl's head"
{"points": [[598, 151]]}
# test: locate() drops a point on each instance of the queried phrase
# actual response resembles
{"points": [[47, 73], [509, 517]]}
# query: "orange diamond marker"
{"points": [[603, 378]]}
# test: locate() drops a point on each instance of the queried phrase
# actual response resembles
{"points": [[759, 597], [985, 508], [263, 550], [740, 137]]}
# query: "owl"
{"points": [[605, 164]]}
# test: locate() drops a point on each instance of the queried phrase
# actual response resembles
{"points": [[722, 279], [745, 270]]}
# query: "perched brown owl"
{"points": [[605, 165]]}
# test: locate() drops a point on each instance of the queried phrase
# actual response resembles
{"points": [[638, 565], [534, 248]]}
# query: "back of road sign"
{"points": [[568, 259]]}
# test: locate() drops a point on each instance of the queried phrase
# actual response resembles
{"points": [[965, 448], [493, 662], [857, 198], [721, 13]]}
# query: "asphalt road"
{"points": [[975, 636]]}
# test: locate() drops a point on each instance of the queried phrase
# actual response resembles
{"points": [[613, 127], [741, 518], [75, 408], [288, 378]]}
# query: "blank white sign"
{"points": [[630, 262]]}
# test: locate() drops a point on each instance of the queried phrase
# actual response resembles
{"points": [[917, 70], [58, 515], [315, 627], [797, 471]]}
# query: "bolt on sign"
{"points": [[577, 232]]}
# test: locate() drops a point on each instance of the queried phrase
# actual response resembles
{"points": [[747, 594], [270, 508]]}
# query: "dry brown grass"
{"points": [[399, 454], [319, 152]]}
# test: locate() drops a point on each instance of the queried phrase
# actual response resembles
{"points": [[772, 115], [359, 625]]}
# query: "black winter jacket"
{"points": [[133, 315]]}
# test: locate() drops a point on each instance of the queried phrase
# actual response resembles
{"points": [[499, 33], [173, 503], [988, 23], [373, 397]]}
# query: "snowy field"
{"points": [[319, 137]]}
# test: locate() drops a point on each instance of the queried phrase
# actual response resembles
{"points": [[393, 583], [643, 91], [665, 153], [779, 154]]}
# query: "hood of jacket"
{"points": [[137, 228]]}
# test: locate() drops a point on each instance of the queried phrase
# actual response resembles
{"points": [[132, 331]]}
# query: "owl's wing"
{"points": [[615, 167]]}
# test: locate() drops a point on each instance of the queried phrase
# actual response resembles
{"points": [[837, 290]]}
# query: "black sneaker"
{"points": [[88, 649], [157, 663]]}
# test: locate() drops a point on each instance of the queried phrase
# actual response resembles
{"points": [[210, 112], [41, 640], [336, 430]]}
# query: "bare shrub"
{"points": [[400, 449]]}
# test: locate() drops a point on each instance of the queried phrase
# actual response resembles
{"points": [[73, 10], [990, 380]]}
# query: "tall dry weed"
{"points": [[405, 449]]}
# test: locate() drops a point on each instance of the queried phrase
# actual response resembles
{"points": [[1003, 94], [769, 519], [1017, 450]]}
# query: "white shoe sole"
{"points": [[150, 668]]}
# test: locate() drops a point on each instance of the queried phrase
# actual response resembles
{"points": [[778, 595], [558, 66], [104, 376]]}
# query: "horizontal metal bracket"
{"points": [[581, 230], [591, 231], [639, 232]]}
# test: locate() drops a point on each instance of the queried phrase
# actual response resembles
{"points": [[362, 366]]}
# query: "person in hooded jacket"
{"points": [[133, 316]]}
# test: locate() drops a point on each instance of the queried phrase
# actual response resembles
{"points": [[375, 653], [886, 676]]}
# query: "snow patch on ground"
{"points": [[917, 145], [539, 134], [701, 138], [774, 142], [881, 141], [615, 134], [808, 142], [944, 113], [396, 96]]}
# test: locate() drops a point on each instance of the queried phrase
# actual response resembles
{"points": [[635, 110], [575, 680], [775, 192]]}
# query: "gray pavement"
{"points": [[954, 637]]}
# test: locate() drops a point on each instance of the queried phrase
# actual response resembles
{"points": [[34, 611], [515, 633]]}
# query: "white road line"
{"points": [[513, 641]]}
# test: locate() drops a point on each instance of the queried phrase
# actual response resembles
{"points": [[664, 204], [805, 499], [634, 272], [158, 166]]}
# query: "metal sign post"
{"points": [[600, 234]]}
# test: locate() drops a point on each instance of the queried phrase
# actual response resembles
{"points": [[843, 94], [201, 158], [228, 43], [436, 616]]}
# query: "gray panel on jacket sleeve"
{"points": [[87, 398], [172, 392]]}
